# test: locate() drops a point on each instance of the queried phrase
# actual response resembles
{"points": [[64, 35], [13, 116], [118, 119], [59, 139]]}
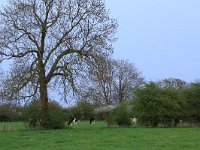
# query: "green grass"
{"points": [[10, 126], [98, 137]]}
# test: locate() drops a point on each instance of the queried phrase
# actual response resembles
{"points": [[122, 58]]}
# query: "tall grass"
{"points": [[98, 137]]}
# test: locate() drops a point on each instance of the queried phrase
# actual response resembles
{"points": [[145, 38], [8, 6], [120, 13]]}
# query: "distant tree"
{"points": [[126, 77], [98, 87], [51, 42], [173, 83], [111, 82]]}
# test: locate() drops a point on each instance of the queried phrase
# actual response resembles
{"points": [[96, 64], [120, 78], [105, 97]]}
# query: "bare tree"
{"points": [[112, 81], [54, 40], [95, 86], [173, 83], [126, 78]]}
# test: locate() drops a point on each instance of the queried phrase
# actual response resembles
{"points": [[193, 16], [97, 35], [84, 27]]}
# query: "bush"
{"points": [[5, 113], [111, 119], [56, 116], [155, 105], [31, 114], [122, 116], [56, 119]]}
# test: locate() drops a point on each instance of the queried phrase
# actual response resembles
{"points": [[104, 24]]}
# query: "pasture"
{"points": [[98, 137]]}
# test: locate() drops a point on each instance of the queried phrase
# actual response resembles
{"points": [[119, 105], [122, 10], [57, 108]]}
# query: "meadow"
{"points": [[98, 137]]}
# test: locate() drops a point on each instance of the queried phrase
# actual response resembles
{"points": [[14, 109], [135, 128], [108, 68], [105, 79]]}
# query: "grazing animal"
{"points": [[177, 122], [181, 122], [72, 121], [134, 120], [92, 120]]}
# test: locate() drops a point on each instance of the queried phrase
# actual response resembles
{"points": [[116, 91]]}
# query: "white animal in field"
{"points": [[134, 120]]}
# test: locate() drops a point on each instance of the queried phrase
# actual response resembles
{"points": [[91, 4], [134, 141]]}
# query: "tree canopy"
{"points": [[51, 42]]}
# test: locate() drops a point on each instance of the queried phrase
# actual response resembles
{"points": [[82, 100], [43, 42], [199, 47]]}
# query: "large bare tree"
{"points": [[51, 41]]}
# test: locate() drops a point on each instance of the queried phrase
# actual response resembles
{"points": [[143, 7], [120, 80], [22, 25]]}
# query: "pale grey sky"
{"points": [[161, 37]]}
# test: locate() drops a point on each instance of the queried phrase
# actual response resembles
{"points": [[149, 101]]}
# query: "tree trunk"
{"points": [[43, 93], [44, 103]]}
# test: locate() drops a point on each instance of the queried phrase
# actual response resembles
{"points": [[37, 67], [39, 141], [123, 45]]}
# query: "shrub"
{"points": [[31, 114], [56, 116], [111, 119], [5, 113], [122, 116], [55, 120]]}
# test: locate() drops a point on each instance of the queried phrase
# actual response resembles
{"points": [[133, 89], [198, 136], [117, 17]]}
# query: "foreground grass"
{"points": [[99, 137]]}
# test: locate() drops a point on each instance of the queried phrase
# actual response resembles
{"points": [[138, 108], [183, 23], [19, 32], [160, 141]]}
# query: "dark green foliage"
{"points": [[31, 114], [56, 117], [147, 103], [55, 120], [122, 116], [155, 105], [110, 119], [9, 112], [192, 107], [82, 111], [5, 113]]}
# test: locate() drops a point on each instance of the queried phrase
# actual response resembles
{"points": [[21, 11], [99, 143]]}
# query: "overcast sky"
{"points": [[161, 37]]}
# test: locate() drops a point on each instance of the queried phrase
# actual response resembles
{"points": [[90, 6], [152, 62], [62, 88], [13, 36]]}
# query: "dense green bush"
{"points": [[155, 105], [10, 112], [120, 116], [31, 114], [192, 107], [5, 113], [123, 116], [56, 116]]}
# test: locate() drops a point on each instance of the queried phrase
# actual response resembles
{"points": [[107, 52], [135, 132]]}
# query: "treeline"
{"points": [[57, 116], [155, 104], [167, 103]]}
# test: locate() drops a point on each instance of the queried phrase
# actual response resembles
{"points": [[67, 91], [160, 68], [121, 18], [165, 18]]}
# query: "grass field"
{"points": [[98, 137]]}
